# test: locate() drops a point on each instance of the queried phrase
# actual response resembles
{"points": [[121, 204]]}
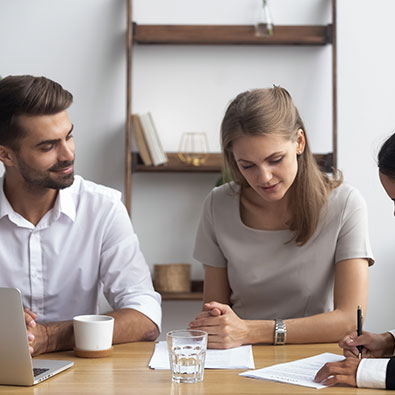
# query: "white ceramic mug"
{"points": [[93, 332]]}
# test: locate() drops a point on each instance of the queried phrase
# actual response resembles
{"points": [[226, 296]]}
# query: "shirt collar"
{"points": [[5, 206], [64, 203]]}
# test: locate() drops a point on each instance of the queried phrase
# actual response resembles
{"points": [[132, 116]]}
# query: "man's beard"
{"points": [[43, 179]]}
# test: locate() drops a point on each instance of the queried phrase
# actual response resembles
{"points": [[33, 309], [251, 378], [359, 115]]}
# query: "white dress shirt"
{"points": [[371, 372], [84, 245]]}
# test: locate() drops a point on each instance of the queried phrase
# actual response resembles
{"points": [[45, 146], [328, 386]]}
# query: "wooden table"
{"points": [[127, 372]]}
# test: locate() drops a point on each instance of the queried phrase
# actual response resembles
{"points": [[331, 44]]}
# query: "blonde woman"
{"points": [[285, 248]]}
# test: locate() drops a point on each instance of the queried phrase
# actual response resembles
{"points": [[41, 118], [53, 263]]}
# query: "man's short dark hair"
{"points": [[28, 95]]}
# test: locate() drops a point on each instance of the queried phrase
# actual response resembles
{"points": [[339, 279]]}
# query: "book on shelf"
{"points": [[154, 145], [141, 142], [158, 140]]}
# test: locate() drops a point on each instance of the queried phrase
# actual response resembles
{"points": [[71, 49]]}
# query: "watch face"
{"points": [[280, 338]]}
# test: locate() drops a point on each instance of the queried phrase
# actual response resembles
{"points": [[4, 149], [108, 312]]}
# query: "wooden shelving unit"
{"points": [[305, 35], [311, 35]]}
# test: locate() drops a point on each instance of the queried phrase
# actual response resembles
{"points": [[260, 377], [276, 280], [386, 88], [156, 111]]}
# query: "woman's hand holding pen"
{"points": [[374, 345], [225, 329]]}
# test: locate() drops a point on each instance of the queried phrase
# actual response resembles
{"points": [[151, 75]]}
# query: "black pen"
{"points": [[359, 328]]}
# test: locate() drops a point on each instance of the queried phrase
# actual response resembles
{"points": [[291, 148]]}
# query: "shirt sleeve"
{"points": [[371, 372], [207, 250], [353, 239], [124, 272]]}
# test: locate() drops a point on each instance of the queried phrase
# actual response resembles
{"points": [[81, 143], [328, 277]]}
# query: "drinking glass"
{"points": [[187, 354]]}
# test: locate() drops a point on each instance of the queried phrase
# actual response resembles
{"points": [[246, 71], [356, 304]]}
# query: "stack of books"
{"points": [[147, 140]]}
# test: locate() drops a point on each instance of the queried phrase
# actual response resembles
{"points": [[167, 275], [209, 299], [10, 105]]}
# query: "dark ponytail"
{"points": [[386, 158]]}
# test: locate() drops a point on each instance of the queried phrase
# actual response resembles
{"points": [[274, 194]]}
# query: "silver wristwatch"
{"points": [[280, 332]]}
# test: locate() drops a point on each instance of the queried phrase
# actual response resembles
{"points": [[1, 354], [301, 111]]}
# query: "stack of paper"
{"points": [[234, 358], [300, 372]]}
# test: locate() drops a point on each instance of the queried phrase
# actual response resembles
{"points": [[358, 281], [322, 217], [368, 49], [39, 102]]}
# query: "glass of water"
{"points": [[187, 354]]}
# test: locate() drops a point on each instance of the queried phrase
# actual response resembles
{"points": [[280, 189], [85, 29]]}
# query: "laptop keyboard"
{"points": [[37, 371]]}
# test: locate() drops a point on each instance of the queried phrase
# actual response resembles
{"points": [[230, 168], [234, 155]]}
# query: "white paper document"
{"points": [[234, 358], [300, 372]]}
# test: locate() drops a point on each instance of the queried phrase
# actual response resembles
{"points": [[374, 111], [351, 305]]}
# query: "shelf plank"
{"points": [[195, 294], [231, 35], [213, 164], [182, 295]]}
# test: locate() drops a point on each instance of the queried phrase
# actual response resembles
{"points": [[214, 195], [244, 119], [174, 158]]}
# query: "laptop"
{"points": [[16, 365]]}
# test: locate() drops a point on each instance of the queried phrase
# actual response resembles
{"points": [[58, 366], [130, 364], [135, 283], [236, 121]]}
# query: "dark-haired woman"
{"points": [[375, 370]]}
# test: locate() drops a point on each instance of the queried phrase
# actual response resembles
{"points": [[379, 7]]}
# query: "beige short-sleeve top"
{"points": [[270, 278]]}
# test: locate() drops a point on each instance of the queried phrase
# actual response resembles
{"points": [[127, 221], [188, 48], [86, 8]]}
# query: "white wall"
{"points": [[366, 84], [81, 45]]}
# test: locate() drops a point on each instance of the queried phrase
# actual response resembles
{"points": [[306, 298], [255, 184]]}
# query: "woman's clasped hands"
{"points": [[225, 329]]}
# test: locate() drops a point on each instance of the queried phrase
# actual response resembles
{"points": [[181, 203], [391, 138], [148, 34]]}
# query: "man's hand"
{"points": [[343, 372], [30, 325], [225, 329], [36, 333], [374, 345]]}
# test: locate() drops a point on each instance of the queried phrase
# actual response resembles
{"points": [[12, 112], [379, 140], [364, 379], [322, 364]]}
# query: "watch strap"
{"points": [[280, 332]]}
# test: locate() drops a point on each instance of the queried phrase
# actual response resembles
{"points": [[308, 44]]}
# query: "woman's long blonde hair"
{"points": [[264, 111]]}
